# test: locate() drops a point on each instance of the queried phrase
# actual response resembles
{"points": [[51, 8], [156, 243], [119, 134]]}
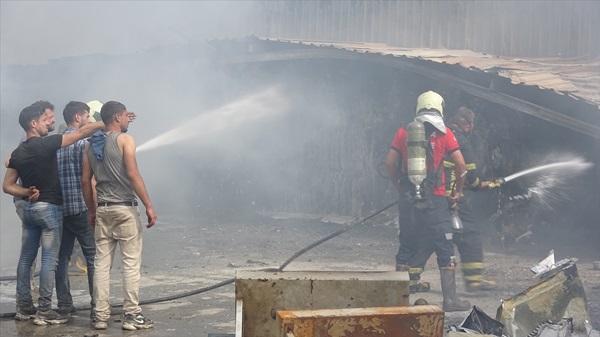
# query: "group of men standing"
{"points": [[72, 187], [425, 220]]}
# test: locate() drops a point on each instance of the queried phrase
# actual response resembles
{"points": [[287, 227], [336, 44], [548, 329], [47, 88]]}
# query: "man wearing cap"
{"points": [[428, 224]]}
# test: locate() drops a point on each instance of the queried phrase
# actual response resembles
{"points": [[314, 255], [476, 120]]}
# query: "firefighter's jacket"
{"points": [[466, 148]]}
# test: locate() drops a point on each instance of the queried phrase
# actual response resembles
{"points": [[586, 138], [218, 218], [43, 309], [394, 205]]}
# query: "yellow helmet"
{"points": [[430, 101], [95, 107]]}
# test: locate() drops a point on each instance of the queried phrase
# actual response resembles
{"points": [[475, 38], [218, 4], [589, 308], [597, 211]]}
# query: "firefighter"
{"points": [[425, 213], [469, 242]]}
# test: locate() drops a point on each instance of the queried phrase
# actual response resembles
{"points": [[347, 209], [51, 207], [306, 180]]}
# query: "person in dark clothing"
{"points": [[469, 242], [428, 225]]}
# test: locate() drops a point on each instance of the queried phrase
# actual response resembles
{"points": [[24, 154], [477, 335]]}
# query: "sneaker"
{"points": [[25, 313], [49, 316], [99, 325], [137, 322], [69, 310]]}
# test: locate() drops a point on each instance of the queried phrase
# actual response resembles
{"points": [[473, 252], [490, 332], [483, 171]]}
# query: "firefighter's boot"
{"points": [[451, 300], [416, 286], [473, 276], [480, 284]]}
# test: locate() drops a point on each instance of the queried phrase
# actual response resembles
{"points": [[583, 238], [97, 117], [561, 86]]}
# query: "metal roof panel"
{"points": [[579, 77]]}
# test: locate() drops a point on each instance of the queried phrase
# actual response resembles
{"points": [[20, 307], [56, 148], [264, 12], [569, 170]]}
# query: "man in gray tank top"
{"points": [[110, 159]]}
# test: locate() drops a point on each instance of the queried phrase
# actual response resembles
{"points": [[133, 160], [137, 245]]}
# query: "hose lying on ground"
{"points": [[14, 277], [231, 280]]}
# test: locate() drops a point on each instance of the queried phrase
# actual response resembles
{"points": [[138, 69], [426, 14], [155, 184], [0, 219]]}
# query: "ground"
{"points": [[184, 255]]}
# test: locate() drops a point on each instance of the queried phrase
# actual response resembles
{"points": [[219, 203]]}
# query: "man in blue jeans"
{"points": [[34, 161], [18, 201], [75, 213]]}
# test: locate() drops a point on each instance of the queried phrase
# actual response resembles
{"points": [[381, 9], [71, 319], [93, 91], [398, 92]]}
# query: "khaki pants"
{"points": [[122, 225]]}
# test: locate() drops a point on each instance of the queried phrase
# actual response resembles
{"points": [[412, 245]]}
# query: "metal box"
{"points": [[260, 294]]}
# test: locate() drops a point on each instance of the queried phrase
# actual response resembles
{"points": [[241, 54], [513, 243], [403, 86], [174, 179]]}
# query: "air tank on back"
{"points": [[416, 144]]}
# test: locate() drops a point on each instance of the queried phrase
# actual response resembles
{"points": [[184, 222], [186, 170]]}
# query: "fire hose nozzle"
{"points": [[496, 183]]}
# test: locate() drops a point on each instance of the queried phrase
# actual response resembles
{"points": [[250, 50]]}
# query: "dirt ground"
{"points": [[183, 255]]}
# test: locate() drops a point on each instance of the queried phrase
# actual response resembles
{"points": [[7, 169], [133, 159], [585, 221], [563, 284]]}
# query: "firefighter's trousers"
{"points": [[408, 233], [469, 243], [434, 234]]}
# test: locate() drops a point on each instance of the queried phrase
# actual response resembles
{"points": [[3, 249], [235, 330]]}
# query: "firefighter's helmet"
{"points": [[430, 101], [95, 107]]}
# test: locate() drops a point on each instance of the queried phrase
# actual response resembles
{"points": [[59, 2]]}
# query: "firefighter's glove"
{"points": [[496, 183]]}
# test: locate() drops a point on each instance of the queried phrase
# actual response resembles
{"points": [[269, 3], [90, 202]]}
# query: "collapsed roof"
{"points": [[562, 91]]}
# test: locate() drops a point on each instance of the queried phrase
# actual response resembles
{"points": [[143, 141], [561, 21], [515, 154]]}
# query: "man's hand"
{"points": [[151, 217], [453, 199], [131, 116], [485, 185], [92, 218], [34, 193]]}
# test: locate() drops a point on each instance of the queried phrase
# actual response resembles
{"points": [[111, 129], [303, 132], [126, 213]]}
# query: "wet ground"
{"points": [[181, 256]]}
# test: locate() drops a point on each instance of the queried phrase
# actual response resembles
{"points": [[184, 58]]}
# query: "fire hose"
{"points": [[231, 280], [496, 183]]}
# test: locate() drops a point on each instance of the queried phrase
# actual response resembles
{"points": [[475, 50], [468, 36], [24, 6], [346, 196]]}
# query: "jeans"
{"points": [[19, 206], [74, 226], [42, 224], [117, 225]]}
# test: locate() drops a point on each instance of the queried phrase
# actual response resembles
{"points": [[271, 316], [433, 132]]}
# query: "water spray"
{"points": [[578, 164], [218, 124]]}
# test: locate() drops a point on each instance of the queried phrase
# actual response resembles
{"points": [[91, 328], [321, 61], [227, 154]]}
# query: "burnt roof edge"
{"points": [[412, 64]]}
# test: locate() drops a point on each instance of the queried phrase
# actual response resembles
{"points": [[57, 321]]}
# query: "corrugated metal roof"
{"points": [[578, 78]]}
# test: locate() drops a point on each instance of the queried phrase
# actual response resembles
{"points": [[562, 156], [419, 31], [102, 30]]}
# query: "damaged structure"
{"points": [[529, 110], [529, 107], [533, 108]]}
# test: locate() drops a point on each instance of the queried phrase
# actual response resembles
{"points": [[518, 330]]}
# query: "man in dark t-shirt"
{"points": [[34, 161]]}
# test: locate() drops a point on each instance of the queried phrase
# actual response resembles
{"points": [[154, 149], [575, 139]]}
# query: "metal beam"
{"points": [[405, 63]]}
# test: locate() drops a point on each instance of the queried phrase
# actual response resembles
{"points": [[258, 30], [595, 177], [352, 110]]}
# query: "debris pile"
{"points": [[556, 306]]}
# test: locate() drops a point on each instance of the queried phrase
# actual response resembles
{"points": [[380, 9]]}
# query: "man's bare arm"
{"points": [[391, 163], [135, 178], [86, 183], [459, 170], [10, 186], [81, 133]]}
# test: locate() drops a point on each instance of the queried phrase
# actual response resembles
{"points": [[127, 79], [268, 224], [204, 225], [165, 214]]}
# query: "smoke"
{"points": [[211, 143], [36, 31]]}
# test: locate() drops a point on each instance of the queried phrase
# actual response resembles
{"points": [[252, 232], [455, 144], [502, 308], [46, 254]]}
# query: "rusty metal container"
{"points": [[261, 294], [418, 321]]}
